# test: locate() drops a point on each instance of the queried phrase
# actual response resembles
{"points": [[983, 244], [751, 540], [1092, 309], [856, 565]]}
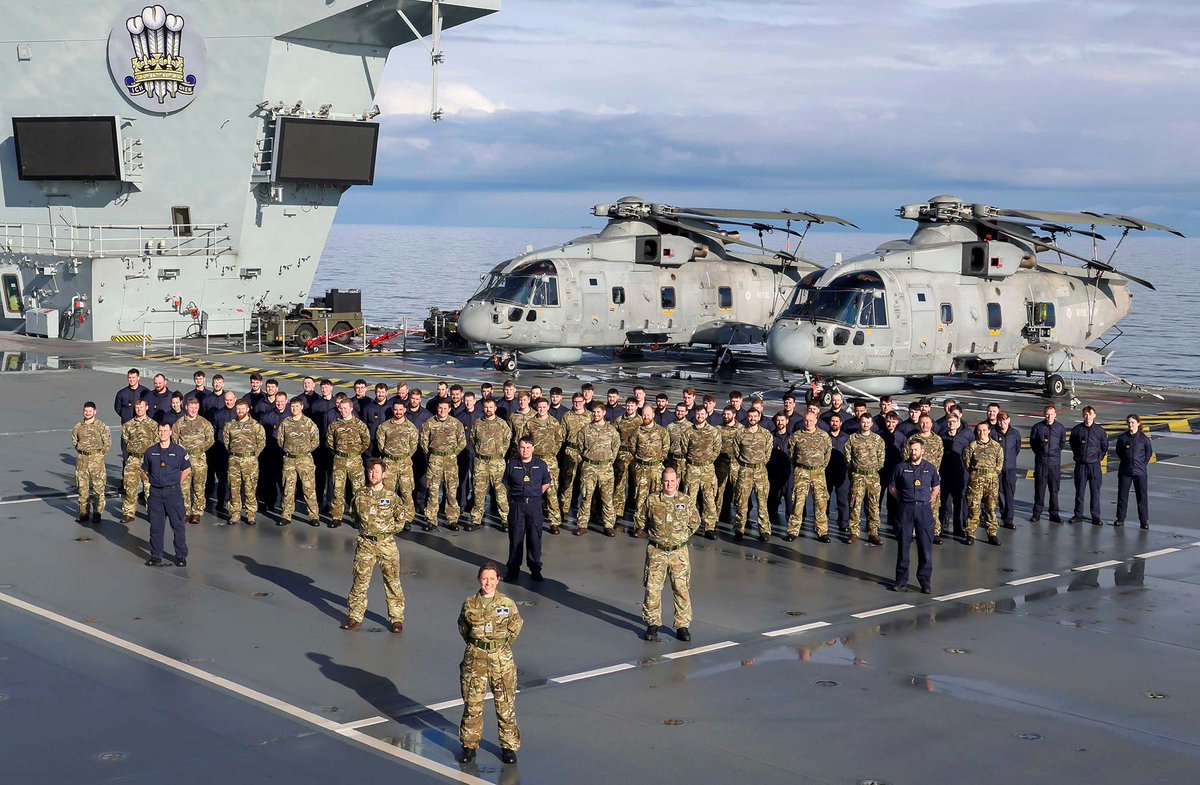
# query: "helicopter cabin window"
{"points": [[724, 297], [668, 298], [593, 282], [618, 295], [531, 316], [859, 338], [515, 314], [12, 295], [947, 313], [994, 317], [920, 297], [1043, 314]]}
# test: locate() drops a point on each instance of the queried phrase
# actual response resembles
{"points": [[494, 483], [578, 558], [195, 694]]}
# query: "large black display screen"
{"points": [[67, 148], [325, 151]]}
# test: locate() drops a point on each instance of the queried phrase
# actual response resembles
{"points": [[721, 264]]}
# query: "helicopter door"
{"points": [[923, 323], [597, 300]]}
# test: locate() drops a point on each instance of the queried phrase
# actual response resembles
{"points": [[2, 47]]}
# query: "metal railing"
{"points": [[242, 323], [116, 240]]}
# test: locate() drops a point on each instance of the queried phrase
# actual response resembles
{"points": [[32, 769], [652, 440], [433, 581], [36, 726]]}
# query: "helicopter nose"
{"points": [[473, 324], [789, 347]]}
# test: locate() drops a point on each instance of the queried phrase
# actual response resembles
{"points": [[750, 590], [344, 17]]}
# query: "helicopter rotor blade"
{"points": [[1013, 235], [1070, 230], [726, 240], [1087, 218], [763, 215], [1108, 268]]}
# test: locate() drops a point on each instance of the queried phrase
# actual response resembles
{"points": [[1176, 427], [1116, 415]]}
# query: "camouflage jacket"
{"points": [[753, 445], [489, 619], [865, 452], [443, 437], [651, 444], [547, 436], [675, 431], [599, 442], [702, 444], [297, 436], [193, 435], [573, 424], [670, 520], [516, 419], [92, 438], [349, 436], [490, 438], [397, 440], [810, 450], [627, 426], [984, 456], [380, 512], [138, 435], [245, 437], [933, 448], [729, 434]]}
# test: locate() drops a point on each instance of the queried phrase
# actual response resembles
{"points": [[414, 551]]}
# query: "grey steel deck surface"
{"points": [[1049, 681]]}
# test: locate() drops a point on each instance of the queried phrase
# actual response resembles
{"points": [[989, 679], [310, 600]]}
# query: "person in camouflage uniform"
{"points": [[194, 434], [702, 444], [516, 420], [92, 441], [490, 437], [672, 519], [381, 516], [598, 443], [810, 449], [573, 422], [442, 439], [933, 453], [677, 452], [726, 466], [396, 440], [547, 435], [864, 456], [244, 440], [137, 436], [489, 623], [347, 438], [651, 445], [298, 437], [984, 459], [752, 450], [627, 427]]}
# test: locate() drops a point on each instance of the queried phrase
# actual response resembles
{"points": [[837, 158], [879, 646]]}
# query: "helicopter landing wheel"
{"points": [[1056, 386], [507, 363]]}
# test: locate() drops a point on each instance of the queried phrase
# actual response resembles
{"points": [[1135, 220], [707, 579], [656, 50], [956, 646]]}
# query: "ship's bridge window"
{"points": [[12, 294], [532, 284], [724, 297]]}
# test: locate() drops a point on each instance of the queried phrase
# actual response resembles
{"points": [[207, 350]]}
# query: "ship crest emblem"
{"points": [[156, 58]]}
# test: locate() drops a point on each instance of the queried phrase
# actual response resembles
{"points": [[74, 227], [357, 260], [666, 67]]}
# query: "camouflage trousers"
{"points": [[479, 670], [659, 565], [367, 554], [983, 491], [90, 478], [489, 473], [752, 480], [621, 468], [647, 478], [442, 473], [569, 467], [243, 480], [553, 516], [803, 481], [702, 486], [596, 478], [727, 471], [132, 480], [193, 487], [345, 469], [681, 468], [937, 516], [304, 471], [400, 475], [864, 486]]}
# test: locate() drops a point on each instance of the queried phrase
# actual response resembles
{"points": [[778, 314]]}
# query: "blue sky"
{"points": [[850, 108]]}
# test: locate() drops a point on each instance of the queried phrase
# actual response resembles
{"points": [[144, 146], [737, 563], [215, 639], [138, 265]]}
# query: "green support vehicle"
{"points": [[336, 317]]}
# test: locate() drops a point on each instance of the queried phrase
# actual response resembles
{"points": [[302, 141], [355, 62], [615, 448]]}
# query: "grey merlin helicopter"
{"points": [[654, 276], [969, 292]]}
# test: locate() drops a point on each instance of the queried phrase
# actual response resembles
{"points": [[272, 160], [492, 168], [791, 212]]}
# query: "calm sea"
{"points": [[403, 270]]}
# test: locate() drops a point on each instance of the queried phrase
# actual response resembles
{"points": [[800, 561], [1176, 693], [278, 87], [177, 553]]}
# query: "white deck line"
{"points": [[592, 673], [361, 724], [1032, 579], [793, 630], [1152, 554], [675, 655], [1098, 565], [960, 594], [880, 611]]}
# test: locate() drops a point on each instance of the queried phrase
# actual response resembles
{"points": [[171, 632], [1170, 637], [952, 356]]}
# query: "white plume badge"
{"points": [[154, 62]]}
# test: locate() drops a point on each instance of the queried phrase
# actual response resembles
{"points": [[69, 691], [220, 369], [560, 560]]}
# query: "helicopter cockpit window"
{"points": [[873, 312], [618, 295], [533, 284]]}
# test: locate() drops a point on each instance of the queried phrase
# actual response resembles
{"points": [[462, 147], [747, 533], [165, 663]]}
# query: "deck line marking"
{"points": [[42, 498], [960, 595], [793, 630], [361, 723], [624, 666], [1033, 579], [1172, 463], [450, 704], [246, 692], [1197, 543], [880, 611], [1098, 565], [1152, 554], [675, 655]]}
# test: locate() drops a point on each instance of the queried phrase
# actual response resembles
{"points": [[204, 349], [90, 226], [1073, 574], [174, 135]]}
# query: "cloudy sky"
{"points": [[850, 107]]}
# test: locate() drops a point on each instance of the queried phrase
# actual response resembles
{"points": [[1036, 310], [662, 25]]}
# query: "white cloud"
{"points": [[403, 97]]}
